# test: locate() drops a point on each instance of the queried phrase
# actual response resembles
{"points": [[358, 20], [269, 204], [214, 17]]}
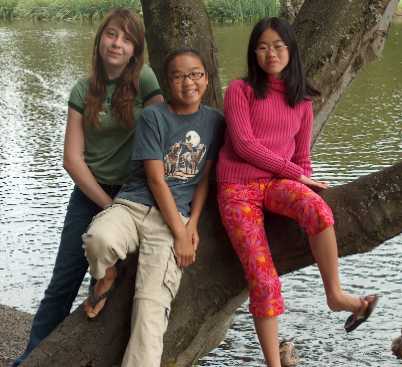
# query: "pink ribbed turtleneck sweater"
{"points": [[264, 137]]}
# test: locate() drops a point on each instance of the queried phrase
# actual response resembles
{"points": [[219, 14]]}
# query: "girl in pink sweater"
{"points": [[265, 164]]}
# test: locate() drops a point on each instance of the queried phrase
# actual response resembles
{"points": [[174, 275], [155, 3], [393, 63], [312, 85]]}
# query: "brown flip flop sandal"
{"points": [[94, 299], [353, 321]]}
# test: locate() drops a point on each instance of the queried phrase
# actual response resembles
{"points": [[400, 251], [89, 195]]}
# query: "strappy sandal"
{"points": [[94, 299], [355, 320]]}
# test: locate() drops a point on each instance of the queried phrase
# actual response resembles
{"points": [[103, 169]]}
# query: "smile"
{"points": [[191, 92], [112, 53]]}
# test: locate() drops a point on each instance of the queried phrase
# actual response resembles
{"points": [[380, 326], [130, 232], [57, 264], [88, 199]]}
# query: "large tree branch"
{"points": [[214, 287], [336, 40]]}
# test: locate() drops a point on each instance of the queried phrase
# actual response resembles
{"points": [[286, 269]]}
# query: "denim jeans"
{"points": [[69, 269]]}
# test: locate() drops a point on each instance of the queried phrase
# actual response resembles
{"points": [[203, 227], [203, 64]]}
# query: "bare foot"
{"points": [[345, 302], [368, 305], [94, 304]]}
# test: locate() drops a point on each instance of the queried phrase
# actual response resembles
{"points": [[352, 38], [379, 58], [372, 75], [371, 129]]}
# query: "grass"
{"points": [[241, 11], [219, 11], [57, 10], [8, 9]]}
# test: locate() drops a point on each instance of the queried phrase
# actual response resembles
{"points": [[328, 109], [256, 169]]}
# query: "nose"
{"points": [[187, 79], [271, 51], [118, 41]]}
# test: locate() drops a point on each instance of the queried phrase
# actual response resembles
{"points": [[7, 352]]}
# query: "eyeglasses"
{"points": [[276, 48], [194, 75]]}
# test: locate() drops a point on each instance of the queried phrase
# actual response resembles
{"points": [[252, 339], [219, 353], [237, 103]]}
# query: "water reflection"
{"points": [[38, 68]]}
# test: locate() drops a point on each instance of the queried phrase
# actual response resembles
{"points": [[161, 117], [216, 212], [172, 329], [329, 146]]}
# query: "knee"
{"points": [[317, 216], [96, 244]]}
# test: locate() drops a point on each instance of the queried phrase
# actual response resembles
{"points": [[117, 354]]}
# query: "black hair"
{"points": [[297, 87], [182, 51]]}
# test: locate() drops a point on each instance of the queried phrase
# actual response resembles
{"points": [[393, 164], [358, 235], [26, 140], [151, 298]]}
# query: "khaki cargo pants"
{"points": [[124, 228]]}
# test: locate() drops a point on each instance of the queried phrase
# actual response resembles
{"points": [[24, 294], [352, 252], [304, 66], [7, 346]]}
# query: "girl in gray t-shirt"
{"points": [[157, 212]]}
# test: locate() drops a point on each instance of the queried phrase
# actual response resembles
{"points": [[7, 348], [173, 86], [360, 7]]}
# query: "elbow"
{"points": [[155, 181], [242, 148], [69, 163]]}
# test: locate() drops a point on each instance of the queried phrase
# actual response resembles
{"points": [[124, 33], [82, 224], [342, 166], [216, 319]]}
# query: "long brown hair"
{"points": [[128, 85]]}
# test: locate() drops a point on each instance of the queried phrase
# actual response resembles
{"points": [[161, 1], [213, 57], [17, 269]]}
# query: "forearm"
{"points": [[263, 158], [200, 194], [167, 206]]}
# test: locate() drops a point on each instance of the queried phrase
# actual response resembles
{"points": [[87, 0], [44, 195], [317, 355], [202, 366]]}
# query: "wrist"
{"points": [[193, 222], [179, 232], [108, 205]]}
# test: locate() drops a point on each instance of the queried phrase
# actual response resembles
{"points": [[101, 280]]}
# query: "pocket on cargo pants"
{"points": [[172, 277]]}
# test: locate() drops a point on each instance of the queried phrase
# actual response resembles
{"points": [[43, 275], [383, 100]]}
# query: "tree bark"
{"points": [[367, 212], [290, 8], [336, 41], [171, 24]]}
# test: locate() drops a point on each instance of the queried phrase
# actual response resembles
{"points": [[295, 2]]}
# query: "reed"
{"points": [[241, 11], [8, 9], [56, 10], [219, 11]]}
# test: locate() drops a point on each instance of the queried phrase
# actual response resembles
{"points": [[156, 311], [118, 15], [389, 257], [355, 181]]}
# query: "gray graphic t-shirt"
{"points": [[183, 142]]}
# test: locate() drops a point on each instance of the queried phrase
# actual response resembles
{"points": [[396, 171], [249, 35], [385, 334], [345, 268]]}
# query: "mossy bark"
{"points": [[173, 24], [336, 41], [290, 8]]}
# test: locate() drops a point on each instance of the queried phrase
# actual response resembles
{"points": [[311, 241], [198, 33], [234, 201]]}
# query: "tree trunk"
{"points": [[171, 24], [290, 8], [336, 41]]}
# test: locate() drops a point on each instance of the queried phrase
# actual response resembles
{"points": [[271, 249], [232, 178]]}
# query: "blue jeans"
{"points": [[69, 269]]}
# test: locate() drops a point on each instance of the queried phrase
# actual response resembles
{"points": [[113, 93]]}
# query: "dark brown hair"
{"points": [[127, 84], [297, 86]]}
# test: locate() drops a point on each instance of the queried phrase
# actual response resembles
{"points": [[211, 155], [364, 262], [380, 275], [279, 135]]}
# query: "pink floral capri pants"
{"points": [[241, 207]]}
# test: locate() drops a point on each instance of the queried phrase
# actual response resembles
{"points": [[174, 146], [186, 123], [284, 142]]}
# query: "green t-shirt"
{"points": [[108, 147]]}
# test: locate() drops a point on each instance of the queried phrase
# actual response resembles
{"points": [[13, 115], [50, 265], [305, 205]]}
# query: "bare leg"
{"points": [[267, 331], [325, 251], [101, 287]]}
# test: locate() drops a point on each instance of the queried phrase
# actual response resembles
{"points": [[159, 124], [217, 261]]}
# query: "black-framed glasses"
{"points": [[181, 77]]}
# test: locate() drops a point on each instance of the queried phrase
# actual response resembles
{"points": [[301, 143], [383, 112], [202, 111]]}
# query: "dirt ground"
{"points": [[14, 329]]}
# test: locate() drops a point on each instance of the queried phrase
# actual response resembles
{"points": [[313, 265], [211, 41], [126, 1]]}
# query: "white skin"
{"points": [[186, 99], [273, 57], [115, 50]]}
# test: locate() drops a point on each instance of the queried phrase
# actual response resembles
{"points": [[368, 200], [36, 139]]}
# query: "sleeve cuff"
{"points": [[292, 171], [75, 107], [152, 94]]}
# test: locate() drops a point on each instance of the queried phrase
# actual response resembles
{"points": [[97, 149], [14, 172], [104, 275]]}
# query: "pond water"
{"points": [[39, 63]]}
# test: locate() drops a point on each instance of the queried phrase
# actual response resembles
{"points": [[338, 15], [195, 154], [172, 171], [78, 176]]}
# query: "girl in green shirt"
{"points": [[98, 142]]}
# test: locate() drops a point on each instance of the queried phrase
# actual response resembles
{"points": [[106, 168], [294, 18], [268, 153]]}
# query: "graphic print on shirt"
{"points": [[183, 158]]}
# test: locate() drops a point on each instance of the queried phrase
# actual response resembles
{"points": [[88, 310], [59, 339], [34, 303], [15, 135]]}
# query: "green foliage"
{"points": [[62, 9], [241, 11], [8, 9], [219, 11]]}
